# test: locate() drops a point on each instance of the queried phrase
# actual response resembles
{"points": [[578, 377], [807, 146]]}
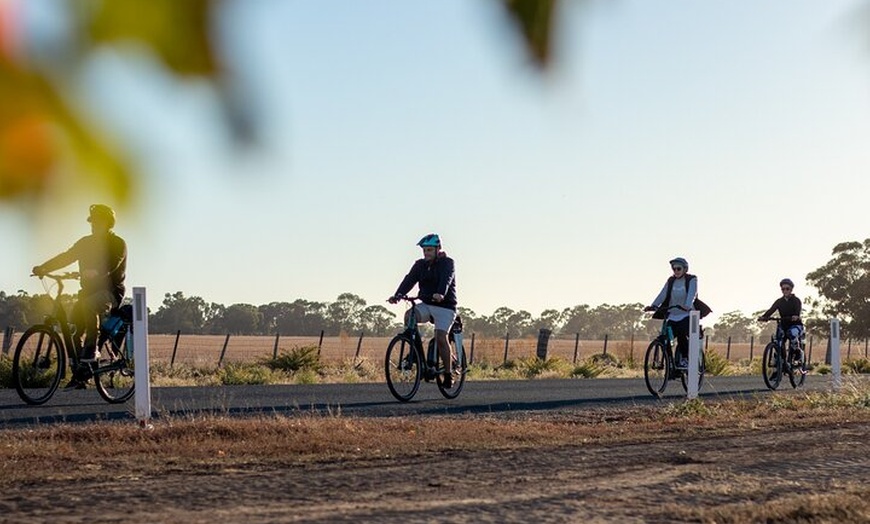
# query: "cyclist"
{"points": [[789, 308], [681, 289], [436, 278], [102, 258]]}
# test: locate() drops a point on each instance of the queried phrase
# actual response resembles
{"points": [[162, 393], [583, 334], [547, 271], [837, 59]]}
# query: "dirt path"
{"points": [[815, 475]]}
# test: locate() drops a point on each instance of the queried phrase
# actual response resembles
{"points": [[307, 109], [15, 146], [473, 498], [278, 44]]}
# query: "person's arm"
{"points": [[766, 314], [408, 282], [57, 262], [446, 273], [657, 302], [691, 293]]}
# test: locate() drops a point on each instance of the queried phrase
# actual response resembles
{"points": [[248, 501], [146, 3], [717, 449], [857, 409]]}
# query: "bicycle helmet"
{"points": [[681, 261], [102, 211], [786, 282], [430, 240]]}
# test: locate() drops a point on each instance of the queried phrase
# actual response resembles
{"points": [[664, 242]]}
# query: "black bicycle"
{"points": [[659, 366], [42, 354], [782, 357], [406, 364]]}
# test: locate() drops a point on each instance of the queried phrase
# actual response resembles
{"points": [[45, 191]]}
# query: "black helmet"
{"points": [[786, 282]]}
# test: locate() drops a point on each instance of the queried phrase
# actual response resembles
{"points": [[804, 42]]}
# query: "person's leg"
{"points": [[681, 333], [90, 308], [444, 318]]}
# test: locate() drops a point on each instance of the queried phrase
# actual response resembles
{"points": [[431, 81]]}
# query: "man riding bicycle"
{"points": [[436, 278], [680, 290], [789, 308], [102, 258]]}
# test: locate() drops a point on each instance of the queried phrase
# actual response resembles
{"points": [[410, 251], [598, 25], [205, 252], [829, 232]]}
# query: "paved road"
{"points": [[479, 397]]}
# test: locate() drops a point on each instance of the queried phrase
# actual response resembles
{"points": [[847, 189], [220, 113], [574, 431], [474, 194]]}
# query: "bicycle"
{"points": [[658, 362], [781, 356], [406, 364], [40, 361]]}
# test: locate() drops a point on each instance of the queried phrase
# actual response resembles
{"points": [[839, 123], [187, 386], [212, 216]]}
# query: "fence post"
{"points": [[7, 339], [810, 352], [834, 343], [175, 348], [543, 341], [631, 349], [275, 349], [576, 346], [706, 342], [471, 356], [320, 343], [865, 348], [605, 345], [358, 346], [224, 350], [507, 339], [751, 346], [728, 350], [849, 350]]}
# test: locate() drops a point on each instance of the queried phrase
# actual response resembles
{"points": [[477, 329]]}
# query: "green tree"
{"points": [[179, 313], [736, 325], [377, 321], [238, 319], [844, 287], [343, 314]]}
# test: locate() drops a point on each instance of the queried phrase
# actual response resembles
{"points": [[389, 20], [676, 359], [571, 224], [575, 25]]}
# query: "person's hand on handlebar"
{"points": [[650, 308], [37, 271]]}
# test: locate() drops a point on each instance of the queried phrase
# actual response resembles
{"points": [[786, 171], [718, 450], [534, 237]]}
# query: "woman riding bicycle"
{"points": [[789, 308], [436, 278], [680, 290], [102, 258]]}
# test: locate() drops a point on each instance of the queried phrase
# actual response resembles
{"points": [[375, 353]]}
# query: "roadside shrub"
{"points": [[6, 372], [690, 408], [296, 359], [239, 374], [182, 375], [532, 367], [822, 369], [716, 364], [605, 359], [587, 369], [861, 365]]}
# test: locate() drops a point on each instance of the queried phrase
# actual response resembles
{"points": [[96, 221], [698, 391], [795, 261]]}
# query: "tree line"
{"points": [[843, 284]]}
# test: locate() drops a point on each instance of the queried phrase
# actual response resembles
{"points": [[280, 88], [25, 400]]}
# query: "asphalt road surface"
{"points": [[374, 400]]}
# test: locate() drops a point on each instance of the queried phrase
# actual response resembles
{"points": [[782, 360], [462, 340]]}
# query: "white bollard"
{"points": [[694, 374], [140, 357], [836, 377]]}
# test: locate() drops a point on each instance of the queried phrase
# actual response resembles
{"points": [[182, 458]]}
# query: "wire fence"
{"points": [[217, 350]]}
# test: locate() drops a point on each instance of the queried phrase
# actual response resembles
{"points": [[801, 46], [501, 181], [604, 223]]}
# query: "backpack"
{"points": [[662, 311]]}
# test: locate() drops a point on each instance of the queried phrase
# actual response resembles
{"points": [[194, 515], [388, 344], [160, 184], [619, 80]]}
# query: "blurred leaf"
{"points": [[38, 132], [534, 18], [176, 30]]}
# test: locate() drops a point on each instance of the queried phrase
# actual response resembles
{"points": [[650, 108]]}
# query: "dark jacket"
{"points": [[787, 308], [435, 277], [104, 253]]}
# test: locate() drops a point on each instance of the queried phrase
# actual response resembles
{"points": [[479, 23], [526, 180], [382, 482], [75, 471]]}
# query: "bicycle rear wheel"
{"points": [[402, 368], [114, 377], [771, 366], [656, 368], [38, 365], [702, 368], [459, 371], [797, 372]]}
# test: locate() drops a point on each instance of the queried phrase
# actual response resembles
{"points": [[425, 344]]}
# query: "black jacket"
{"points": [[787, 307], [438, 276]]}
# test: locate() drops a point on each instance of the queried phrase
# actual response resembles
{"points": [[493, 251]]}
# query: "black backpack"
{"points": [[662, 312]]}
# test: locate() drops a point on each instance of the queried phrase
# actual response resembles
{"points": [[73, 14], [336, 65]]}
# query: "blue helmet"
{"points": [[430, 240], [680, 261]]}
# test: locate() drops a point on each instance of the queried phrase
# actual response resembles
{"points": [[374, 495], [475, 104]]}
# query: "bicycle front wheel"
{"points": [[771, 366], [656, 368], [459, 369], [402, 368], [114, 375], [38, 364]]}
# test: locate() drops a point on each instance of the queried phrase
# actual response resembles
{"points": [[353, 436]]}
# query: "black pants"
{"points": [[680, 329]]}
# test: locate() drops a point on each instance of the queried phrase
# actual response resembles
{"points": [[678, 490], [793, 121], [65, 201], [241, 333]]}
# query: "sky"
{"points": [[731, 133]]}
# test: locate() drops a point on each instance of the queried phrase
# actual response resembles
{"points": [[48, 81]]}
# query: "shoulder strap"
{"points": [[671, 281]]}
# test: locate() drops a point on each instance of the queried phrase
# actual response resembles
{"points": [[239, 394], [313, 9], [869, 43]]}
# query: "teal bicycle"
{"points": [[659, 366]]}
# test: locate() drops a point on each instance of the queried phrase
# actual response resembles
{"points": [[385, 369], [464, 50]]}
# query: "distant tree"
{"points": [[377, 321], [238, 319], [551, 319], [343, 314], [844, 287], [179, 313], [736, 325]]}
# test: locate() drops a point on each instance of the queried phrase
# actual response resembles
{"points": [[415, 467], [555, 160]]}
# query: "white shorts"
{"points": [[442, 317]]}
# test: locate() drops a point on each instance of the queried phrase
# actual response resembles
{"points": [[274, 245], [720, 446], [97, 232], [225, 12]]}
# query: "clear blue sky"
{"points": [[732, 133]]}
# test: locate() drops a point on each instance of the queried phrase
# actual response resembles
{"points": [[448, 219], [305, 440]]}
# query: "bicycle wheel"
{"points": [[702, 368], [797, 370], [114, 375], [402, 368], [458, 377], [39, 364], [656, 368], [771, 366]]}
